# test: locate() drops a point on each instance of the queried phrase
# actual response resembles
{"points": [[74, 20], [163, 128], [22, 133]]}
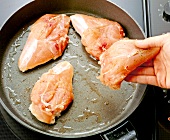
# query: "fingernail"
{"points": [[138, 42]]}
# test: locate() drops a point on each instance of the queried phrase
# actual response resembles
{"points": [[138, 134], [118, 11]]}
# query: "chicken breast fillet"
{"points": [[121, 59], [97, 34], [47, 40], [52, 93]]}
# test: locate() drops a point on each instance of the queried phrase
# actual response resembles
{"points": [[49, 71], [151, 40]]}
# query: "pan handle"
{"points": [[124, 132]]}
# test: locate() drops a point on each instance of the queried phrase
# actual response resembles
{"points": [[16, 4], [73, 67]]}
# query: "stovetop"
{"points": [[146, 121], [158, 17]]}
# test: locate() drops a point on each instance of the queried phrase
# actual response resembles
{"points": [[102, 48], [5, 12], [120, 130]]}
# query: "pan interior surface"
{"points": [[95, 108]]}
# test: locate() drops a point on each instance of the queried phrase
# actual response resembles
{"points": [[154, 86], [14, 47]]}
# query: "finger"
{"points": [[156, 41], [151, 80], [143, 71]]}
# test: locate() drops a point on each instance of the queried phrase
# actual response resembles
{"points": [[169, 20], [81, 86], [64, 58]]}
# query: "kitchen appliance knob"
{"points": [[166, 12]]}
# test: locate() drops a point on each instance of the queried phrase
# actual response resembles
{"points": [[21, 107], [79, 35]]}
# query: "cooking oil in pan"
{"points": [[13, 96], [88, 113], [94, 105]]}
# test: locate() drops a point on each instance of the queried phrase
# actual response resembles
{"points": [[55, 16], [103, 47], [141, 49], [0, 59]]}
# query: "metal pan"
{"points": [[96, 108]]}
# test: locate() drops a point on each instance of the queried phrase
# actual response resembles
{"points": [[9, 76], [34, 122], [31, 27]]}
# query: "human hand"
{"points": [[157, 71]]}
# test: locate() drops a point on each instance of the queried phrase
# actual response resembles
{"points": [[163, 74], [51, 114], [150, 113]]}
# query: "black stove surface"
{"points": [[163, 114]]}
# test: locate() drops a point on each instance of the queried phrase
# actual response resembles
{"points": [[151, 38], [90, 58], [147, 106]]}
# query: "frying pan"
{"points": [[95, 108]]}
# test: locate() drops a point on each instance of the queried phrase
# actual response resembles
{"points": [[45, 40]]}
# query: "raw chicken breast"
{"points": [[97, 34], [121, 59], [52, 93], [47, 40]]}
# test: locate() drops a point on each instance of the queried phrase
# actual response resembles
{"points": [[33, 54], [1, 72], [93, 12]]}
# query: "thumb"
{"points": [[156, 41]]}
